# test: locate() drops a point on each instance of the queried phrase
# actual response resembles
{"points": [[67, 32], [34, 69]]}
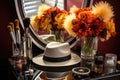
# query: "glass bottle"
{"points": [[99, 63], [27, 44]]}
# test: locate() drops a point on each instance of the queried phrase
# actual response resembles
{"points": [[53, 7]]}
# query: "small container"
{"points": [[110, 62], [80, 72], [99, 62]]}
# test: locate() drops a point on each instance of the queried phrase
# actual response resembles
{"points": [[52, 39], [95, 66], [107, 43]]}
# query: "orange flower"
{"points": [[88, 23]]}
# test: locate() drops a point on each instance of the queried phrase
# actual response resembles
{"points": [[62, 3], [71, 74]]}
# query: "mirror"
{"points": [[28, 8]]}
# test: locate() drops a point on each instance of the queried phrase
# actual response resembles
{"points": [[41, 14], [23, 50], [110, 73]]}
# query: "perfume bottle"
{"points": [[99, 61]]}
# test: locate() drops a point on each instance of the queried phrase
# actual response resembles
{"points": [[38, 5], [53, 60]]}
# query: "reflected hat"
{"points": [[57, 57]]}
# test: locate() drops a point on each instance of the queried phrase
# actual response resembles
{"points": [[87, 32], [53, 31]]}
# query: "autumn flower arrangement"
{"points": [[89, 23], [49, 19]]}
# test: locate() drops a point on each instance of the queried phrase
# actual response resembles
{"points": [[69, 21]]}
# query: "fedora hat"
{"points": [[57, 57]]}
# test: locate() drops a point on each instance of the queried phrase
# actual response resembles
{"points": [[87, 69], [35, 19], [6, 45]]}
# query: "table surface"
{"points": [[92, 75], [112, 76]]}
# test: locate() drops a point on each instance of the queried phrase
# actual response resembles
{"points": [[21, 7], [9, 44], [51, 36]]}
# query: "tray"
{"points": [[39, 75]]}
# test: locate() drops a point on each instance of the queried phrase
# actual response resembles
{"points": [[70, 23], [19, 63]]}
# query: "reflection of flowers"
{"points": [[48, 18], [95, 22]]}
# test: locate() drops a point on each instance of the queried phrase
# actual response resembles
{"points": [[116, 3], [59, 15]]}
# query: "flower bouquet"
{"points": [[90, 24], [49, 19]]}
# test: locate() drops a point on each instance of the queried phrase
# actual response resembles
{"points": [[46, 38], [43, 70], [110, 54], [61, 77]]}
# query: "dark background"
{"points": [[8, 14]]}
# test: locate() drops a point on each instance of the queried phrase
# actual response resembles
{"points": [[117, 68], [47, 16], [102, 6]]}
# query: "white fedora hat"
{"points": [[57, 57]]}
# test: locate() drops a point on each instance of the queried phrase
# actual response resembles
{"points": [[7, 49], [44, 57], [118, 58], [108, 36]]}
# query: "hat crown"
{"points": [[57, 50]]}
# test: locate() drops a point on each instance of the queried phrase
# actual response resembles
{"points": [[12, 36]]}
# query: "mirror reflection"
{"points": [[50, 20], [31, 9], [35, 9]]}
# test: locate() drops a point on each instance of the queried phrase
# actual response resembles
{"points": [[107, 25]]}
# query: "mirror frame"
{"points": [[35, 39]]}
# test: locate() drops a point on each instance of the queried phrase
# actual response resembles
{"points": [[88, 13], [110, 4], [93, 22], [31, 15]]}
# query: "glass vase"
{"points": [[88, 51], [58, 35]]}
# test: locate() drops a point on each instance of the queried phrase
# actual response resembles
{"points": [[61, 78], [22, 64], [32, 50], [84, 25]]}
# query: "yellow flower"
{"points": [[42, 8], [103, 10], [73, 9], [60, 19], [110, 25], [68, 24], [35, 23]]}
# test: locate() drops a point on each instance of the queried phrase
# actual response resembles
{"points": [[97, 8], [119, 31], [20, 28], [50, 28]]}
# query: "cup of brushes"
{"points": [[15, 34]]}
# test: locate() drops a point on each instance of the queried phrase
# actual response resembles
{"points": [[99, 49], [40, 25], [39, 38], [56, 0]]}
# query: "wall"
{"points": [[7, 14], [70, 3]]}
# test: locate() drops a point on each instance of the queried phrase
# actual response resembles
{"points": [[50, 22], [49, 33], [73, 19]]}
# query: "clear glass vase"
{"points": [[88, 51], [58, 35]]}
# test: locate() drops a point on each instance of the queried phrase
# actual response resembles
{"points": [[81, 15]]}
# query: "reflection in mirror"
{"points": [[29, 8], [49, 20], [32, 9]]}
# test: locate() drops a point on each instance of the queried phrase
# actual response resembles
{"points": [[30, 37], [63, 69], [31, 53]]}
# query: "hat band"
{"points": [[61, 59]]}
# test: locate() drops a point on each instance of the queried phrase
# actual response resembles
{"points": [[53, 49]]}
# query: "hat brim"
{"points": [[39, 63]]}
